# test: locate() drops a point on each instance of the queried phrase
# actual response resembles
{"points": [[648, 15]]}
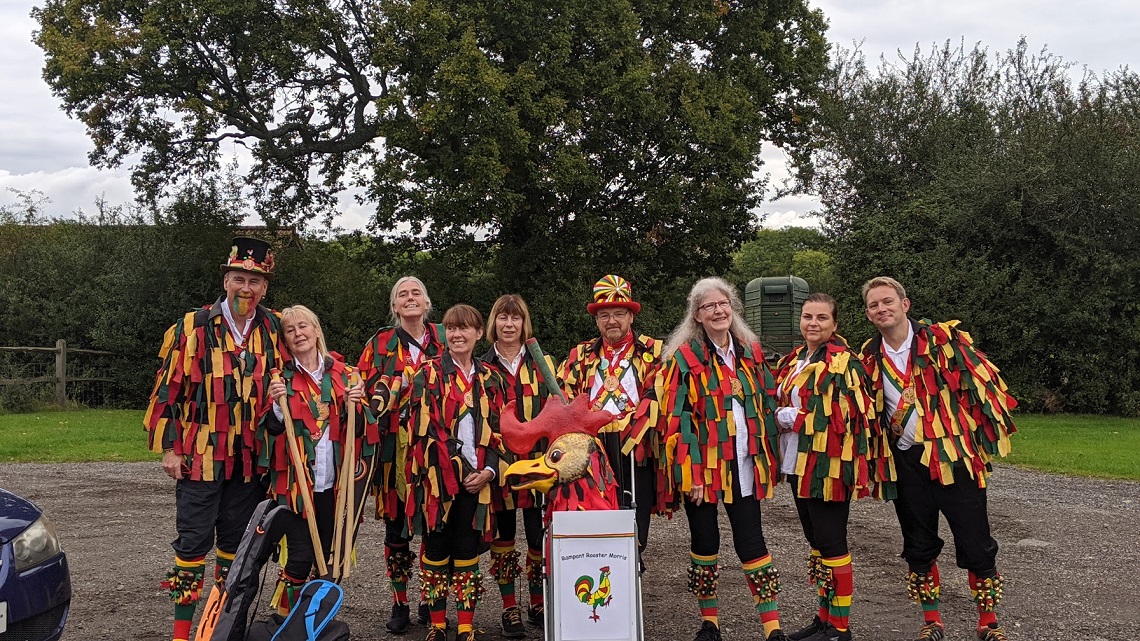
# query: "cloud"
{"points": [[70, 189]]}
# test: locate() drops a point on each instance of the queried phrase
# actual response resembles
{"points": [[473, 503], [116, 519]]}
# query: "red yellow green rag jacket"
{"points": [[210, 392]]}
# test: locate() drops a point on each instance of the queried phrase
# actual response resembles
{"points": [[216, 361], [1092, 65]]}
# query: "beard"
{"points": [[241, 305]]}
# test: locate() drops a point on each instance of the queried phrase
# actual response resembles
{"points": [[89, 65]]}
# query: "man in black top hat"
{"points": [[208, 398]]}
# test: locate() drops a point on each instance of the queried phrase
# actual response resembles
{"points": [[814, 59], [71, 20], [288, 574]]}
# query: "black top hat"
{"points": [[250, 255]]}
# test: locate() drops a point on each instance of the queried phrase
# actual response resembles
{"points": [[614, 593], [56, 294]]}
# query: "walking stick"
{"points": [[346, 543], [343, 482], [539, 359], [302, 481]]}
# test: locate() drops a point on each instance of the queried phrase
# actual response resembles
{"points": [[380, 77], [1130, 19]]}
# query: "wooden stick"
{"points": [[349, 484], [302, 481]]}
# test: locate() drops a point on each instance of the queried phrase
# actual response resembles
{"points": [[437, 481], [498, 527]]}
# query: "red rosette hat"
{"points": [[613, 291], [250, 255]]}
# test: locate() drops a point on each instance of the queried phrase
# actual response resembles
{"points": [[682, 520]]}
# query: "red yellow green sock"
{"points": [[703, 578], [398, 558], [840, 590], [467, 584], [505, 569], [184, 582], [534, 576], [987, 593], [435, 579], [764, 582]]}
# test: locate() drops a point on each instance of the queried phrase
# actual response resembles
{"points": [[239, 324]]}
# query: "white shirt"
{"points": [[744, 471], [239, 335], [891, 396], [790, 441], [511, 365], [324, 462]]}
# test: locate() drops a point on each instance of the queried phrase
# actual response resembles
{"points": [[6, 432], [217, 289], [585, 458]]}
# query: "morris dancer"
{"points": [[719, 403], [315, 384], [509, 328], [947, 413], [826, 454], [618, 371], [208, 398], [452, 465], [396, 352]]}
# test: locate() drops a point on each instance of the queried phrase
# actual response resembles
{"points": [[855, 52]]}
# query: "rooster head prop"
{"points": [[574, 472]]}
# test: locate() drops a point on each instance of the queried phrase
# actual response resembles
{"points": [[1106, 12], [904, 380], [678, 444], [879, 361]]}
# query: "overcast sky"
{"points": [[43, 149]]}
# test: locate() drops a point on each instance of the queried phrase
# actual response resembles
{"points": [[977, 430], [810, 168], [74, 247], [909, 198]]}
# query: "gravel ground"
{"points": [[1068, 549]]}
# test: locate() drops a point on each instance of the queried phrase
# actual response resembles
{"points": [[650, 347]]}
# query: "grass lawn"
{"points": [[1101, 446], [83, 435], [1084, 445]]}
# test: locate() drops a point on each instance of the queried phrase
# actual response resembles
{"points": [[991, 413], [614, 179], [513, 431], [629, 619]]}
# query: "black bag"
{"points": [[226, 614], [313, 618]]}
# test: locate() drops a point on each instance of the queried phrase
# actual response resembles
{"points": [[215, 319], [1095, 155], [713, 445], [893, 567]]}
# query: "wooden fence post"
{"points": [[61, 372]]}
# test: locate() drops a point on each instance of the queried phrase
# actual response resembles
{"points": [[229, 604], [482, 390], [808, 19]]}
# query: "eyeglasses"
{"points": [[617, 314], [709, 308]]}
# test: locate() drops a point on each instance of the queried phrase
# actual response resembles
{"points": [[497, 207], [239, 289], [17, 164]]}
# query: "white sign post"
{"points": [[593, 590]]}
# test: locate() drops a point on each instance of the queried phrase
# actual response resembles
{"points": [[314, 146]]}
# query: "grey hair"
{"points": [[690, 329], [392, 297]]}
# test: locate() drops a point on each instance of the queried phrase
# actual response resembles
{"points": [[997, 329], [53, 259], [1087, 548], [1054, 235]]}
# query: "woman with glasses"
{"points": [[453, 467], [718, 403]]}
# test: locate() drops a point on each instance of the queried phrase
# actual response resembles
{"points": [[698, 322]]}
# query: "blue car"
{"points": [[35, 585]]}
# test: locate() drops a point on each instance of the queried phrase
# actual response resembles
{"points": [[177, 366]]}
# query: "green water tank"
{"points": [[772, 307]]}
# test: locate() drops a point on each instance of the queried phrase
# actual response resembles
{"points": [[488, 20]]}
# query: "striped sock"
{"points": [[434, 579], [505, 569], [466, 581], [842, 585], [399, 561], [764, 582], [222, 563], [987, 592], [534, 576], [926, 589], [185, 584], [703, 577], [815, 567]]}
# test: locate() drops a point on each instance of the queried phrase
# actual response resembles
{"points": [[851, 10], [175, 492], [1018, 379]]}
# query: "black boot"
{"points": [[401, 619], [708, 632], [512, 623], [815, 626]]}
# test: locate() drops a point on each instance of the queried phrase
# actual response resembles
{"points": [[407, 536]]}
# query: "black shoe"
{"points": [[931, 632], [829, 633], [534, 615], [815, 626], [401, 619], [436, 634], [423, 614], [777, 635], [992, 633], [512, 623], [708, 632]]}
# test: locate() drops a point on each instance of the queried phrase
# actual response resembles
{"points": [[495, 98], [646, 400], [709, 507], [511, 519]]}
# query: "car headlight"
{"points": [[35, 545]]}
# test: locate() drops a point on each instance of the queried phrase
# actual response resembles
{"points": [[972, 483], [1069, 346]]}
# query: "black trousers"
{"points": [[458, 539], [642, 477], [206, 511], [743, 517], [824, 523], [963, 504], [393, 528], [506, 526], [299, 542]]}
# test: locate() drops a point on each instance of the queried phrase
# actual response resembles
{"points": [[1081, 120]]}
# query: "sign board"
{"points": [[594, 585]]}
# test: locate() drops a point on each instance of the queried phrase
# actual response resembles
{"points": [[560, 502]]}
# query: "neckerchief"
{"points": [[904, 384], [615, 362], [463, 384]]}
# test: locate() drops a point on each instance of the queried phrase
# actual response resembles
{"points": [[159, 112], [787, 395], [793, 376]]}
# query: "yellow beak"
{"points": [[531, 475]]}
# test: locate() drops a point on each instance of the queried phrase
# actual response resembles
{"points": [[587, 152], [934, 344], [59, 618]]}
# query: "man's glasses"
{"points": [[617, 314]]}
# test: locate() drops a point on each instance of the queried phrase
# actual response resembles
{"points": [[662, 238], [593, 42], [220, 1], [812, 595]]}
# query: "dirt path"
{"points": [[1069, 550]]}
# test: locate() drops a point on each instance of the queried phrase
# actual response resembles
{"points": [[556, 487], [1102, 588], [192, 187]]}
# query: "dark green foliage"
{"points": [[1002, 193], [530, 145]]}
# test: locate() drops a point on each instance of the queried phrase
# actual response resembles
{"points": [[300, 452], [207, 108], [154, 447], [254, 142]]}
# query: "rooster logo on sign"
{"points": [[600, 598]]}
